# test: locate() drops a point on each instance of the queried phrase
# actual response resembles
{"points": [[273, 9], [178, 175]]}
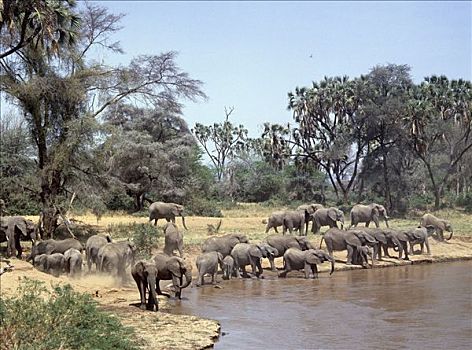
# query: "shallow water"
{"points": [[409, 307]]}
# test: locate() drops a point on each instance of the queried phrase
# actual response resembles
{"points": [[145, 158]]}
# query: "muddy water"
{"points": [[410, 307]]}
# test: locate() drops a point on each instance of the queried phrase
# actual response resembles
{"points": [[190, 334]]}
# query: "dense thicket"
{"points": [[114, 137]]}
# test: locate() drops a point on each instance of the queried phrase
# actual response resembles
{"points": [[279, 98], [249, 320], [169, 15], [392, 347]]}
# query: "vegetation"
{"points": [[62, 319]]}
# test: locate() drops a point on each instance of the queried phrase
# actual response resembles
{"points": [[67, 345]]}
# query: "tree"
{"points": [[221, 141], [63, 96], [438, 126]]}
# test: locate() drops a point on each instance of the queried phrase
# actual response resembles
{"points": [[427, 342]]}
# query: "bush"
{"points": [[466, 202], [421, 201], [144, 236], [61, 319], [117, 199], [203, 207]]}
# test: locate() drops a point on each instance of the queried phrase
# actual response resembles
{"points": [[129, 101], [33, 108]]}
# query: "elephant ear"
{"points": [[375, 211], [332, 214], [174, 265], [419, 233], [312, 259], [21, 226], [381, 238]]}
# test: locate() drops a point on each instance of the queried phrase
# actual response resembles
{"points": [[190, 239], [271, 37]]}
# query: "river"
{"points": [[409, 307]]}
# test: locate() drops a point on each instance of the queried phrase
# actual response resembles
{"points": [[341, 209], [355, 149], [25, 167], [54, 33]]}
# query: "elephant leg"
{"points": [[200, 280], [142, 293], [422, 247], [350, 251], [213, 278], [159, 291], [244, 272], [259, 268], [440, 235], [275, 229], [286, 270], [315, 271], [426, 242], [307, 270], [367, 223], [411, 248], [405, 248], [177, 281]]}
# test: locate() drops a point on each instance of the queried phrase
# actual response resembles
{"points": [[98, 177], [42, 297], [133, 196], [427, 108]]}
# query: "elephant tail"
{"points": [[321, 242]]}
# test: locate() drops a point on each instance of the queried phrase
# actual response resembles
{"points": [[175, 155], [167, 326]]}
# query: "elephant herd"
{"points": [[230, 253]]}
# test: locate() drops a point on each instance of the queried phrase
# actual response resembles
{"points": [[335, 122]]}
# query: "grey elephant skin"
{"points": [[73, 262], [223, 244], [296, 259], [311, 209], [251, 254], [168, 211], [115, 257], [440, 225], [382, 241], [338, 240], [145, 275], [207, 263], [92, 246], [173, 239], [295, 220], [327, 217], [53, 264], [14, 229], [275, 220], [398, 240], [228, 267], [175, 269], [282, 243], [419, 236], [51, 246], [367, 213]]}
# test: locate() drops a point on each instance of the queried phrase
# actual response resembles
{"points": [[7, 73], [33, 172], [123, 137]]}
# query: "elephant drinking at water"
{"points": [[439, 225], [282, 243], [296, 259], [223, 244], [175, 269]]}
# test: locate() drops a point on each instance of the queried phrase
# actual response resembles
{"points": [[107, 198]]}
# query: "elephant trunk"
{"points": [[183, 222], [151, 280], [332, 266], [188, 279], [342, 223]]}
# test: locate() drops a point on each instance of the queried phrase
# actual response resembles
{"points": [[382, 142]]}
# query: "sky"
{"points": [[251, 54]]}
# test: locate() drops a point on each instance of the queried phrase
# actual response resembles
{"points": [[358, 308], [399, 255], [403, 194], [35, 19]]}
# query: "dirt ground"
{"points": [[163, 330]]}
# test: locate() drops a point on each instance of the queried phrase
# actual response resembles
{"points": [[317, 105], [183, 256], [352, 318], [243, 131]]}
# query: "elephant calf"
{"points": [[228, 267], [53, 264], [282, 243], [73, 262], [275, 220], [419, 236], [296, 259], [207, 263], [51, 246]]}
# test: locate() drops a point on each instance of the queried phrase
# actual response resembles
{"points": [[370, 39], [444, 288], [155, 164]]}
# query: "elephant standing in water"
{"points": [[228, 267], [223, 244], [168, 211], [173, 240], [251, 254], [327, 217], [282, 243], [14, 229], [440, 225], [145, 274], [296, 259], [172, 268], [207, 263], [368, 213]]}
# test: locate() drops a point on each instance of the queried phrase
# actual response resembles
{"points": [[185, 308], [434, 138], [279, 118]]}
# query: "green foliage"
{"points": [[143, 236], [117, 199], [203, 207], [61, 319], [466, 202], [421, 201]]}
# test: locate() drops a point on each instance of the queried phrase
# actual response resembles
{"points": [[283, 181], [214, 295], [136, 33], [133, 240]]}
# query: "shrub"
{"points": [[62, 319], [144, 236], [465, 201], [203, 207], [421, 201]]}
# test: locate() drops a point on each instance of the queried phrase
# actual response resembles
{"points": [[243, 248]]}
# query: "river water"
{"points": [[409, 307]]}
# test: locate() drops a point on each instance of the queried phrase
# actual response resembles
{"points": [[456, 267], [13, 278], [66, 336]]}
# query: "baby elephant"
{"points": [[207, 263], [53, 264], [144, 274], [296, 259], [73, 262], [228, 267]]}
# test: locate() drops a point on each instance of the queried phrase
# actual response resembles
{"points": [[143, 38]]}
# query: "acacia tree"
{"points": [[438, 127], [221, 141], [63, 96], [328, 131]]}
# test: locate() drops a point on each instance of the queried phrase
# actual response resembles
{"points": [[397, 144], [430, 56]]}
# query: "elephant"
{"points": [[381, 239], [207, 263], [295, 219], [251, 254], [115, 257], [73, 262], [92, 246], [311, 209], [223, 244], [145, 275], [53, 264], [337, 240], [173, 240], [296, 259], [439, 225], [275, 220], [419, 236], [360, 256], [14, 229], [228, 267], [51, 246], [172, 268], [168, 211], [398, 240], [368, 213], [327, 217], [282, 243]]}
